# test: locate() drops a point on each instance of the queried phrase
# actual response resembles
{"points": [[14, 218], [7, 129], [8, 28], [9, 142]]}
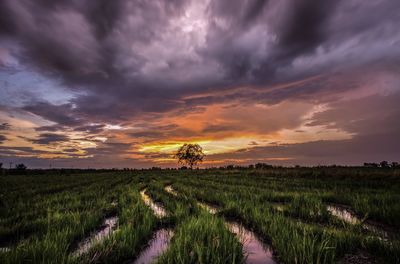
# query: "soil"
{"points": [[360, 257]]}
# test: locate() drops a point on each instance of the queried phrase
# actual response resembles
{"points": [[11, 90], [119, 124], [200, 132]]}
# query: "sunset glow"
{"points": [[249, 81]]}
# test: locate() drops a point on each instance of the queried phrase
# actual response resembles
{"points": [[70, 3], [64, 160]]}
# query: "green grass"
{"points": [[203, 239], [43, 217]]}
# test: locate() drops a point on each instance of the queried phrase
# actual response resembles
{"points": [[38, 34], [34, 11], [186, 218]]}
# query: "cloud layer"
{"points": [[97, 83]]}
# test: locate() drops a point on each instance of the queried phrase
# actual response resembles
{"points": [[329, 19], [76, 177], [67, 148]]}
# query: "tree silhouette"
{"points": [[384, 164], [20, 167], [191, 154]]}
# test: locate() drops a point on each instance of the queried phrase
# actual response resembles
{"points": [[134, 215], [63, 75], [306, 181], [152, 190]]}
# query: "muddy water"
{"points": [[382, 234], [279, 207], [157, 209], [350, 217], [4, 249], [157, 246], [170, 190], [109, 225], [211, 209], [343, 214], [254, 250]]}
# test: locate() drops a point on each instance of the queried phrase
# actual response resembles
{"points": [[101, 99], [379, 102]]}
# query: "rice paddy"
{"points": [[279, 215]]}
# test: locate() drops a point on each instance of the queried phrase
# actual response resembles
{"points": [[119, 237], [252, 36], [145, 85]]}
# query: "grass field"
{"points": [[302, 215]]}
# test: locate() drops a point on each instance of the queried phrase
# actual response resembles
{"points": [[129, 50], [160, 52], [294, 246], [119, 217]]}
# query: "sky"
{"points": [[124, 83]]}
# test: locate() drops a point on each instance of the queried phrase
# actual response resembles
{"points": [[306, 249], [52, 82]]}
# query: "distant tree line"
{"points": [[21, 168], [382, 164]]}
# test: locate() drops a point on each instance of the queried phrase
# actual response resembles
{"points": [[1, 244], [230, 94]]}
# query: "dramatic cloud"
{"points": [[48, 138], [128, 81], [5, 126]]}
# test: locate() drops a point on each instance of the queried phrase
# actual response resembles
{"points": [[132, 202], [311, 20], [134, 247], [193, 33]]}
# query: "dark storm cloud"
{"points": [[109, 148], [53, 128], [122, 62], [24, 151], [356, 116], [92, 129], [5, 126], [297, 29], [304, 25], [61, 114], [99, 48], [49, 138]]}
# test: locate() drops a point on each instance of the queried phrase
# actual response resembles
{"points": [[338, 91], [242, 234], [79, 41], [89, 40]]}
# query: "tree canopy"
{"points": [[190, 154]]}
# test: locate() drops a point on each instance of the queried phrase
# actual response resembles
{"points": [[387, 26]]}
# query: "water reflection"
{"points": [[211, 209], [255, 251], [157, 209], [157, 246], [170, 190], [343, 214], [108, 227], [350, 217]]}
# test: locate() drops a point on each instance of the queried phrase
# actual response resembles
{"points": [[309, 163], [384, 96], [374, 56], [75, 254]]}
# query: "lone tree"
{"points": [[191, 154], [20, 167]]}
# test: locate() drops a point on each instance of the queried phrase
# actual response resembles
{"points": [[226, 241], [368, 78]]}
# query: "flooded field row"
{"points": [[109, 225], [346, 214], [170, 190], [158, 210], [255, 251], [157, 245]]}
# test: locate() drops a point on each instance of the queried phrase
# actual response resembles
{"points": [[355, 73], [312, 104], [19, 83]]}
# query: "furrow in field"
{"points": [[346, 214], [254, 250], [109, 226], [158, 210], [170, 190], [157, 246]]}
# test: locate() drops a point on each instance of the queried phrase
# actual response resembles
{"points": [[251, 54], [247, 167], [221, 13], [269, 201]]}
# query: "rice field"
{"points": [[277, 215]]}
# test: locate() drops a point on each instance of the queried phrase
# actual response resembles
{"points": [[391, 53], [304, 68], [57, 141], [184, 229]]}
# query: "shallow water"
{"points": [[344, 214], [157, 246], [4, 249], [158, 210], [170, 190], [254, 250], [350, 217], [381, 233], [108, 227], [279, 207], [211, 209]]}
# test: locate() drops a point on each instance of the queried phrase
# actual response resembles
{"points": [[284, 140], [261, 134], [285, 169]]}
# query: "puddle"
{"points": [[343, 214], [375, 228], [157, 245], [170, 190], [4, 249], [359, 257], [254, 250], [157, 209], [279, 207], [108, 227], [350, 217], [211, 209]]}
